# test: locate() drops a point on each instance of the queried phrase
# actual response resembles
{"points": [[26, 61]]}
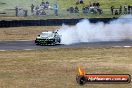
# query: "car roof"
{"points": [[50, 32]]}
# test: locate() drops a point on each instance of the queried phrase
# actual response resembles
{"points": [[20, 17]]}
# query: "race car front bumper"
{"points": [[45, 41]]}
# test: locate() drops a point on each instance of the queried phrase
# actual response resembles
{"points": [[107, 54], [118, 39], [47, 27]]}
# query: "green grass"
{"points": [[63, 5]]}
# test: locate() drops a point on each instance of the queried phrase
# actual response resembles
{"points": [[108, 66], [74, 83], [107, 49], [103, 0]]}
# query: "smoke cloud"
{"points": [[84, 31]]}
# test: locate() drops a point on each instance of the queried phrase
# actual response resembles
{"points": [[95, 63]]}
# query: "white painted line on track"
{"points": [[15, 50], [127, 46], [27, 49], [122, 46], [2, 50]]}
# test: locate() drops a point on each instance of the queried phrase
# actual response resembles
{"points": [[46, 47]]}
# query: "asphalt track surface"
{"points": [[29, 45]]}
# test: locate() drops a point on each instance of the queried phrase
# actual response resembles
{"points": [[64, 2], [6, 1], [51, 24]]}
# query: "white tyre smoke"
{"points": [[84, 31]]}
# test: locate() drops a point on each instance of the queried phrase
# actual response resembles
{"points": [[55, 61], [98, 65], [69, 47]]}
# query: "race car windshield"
{"points": [[47, 34]]}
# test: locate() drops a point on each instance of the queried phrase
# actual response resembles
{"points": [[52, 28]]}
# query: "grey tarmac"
{"points": [[30, 45]]}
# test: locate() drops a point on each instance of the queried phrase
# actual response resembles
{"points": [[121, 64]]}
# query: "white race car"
{"points": [[48, 38]]}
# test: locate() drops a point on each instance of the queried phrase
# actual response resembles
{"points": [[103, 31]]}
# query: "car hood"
{"points": [[42, 37]]}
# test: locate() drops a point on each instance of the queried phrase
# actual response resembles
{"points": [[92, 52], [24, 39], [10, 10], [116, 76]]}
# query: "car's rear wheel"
{"points": [[36, 42]]}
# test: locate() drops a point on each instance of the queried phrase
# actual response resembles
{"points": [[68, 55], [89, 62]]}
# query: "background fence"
{"points": [[49, 22]]}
